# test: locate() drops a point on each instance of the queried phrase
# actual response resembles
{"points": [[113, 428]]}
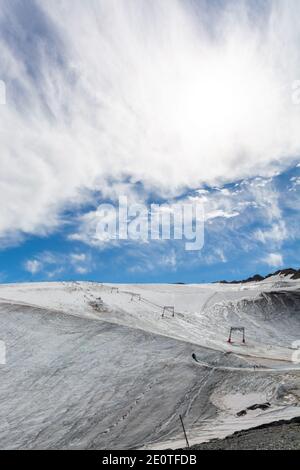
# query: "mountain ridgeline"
{"points": [[293, 273]]}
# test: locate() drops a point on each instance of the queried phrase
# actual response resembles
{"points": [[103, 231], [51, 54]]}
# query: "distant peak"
{"points": [[294, 273]]}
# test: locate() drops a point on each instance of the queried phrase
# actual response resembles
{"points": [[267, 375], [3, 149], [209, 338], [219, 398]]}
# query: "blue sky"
{"points": [[161, 102]]}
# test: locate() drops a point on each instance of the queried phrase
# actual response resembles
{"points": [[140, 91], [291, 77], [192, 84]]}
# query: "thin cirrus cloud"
{"points": [[58, 264], [102, 92], [248, 214]]}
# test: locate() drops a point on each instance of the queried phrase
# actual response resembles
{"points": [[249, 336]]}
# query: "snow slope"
{"points": [[97, 366]]}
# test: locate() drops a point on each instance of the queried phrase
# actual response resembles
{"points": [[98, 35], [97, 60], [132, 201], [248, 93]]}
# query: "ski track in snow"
{"points": [[253, 369]]}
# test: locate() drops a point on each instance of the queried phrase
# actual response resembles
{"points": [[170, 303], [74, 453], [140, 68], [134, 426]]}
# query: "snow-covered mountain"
{"points": [[291, 273], [100, 366]]}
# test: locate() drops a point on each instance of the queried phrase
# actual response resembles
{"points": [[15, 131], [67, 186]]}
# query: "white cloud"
{"points": [[275, 260], [169, 260], [253, 201], [277, 233], [221, 214], [295, 183], [78, 257], [54, 264], [81, 270], [215, 256], [33, 266], [141, 89]]}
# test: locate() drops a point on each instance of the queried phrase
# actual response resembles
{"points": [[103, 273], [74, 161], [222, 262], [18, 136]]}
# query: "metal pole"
{"points": [[184, 431]]}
